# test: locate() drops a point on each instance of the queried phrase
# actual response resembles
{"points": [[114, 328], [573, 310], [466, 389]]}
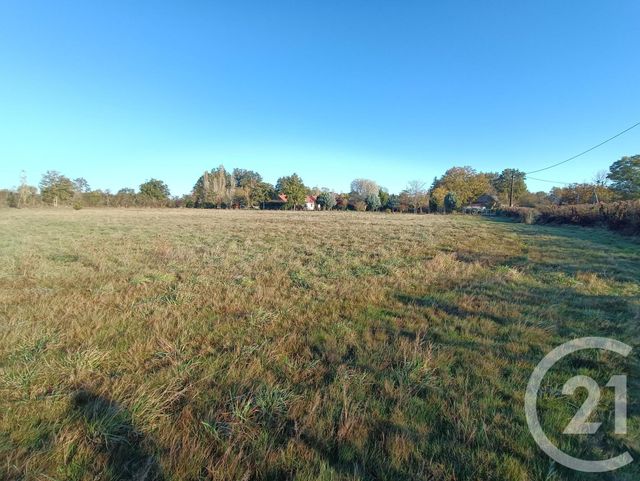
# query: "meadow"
{"points": [[177, 344]]}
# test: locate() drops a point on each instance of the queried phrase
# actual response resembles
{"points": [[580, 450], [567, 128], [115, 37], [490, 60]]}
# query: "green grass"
{"points": [[185, 344]]}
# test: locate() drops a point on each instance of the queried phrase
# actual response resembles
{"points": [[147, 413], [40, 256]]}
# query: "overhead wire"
{"points": [[584, 152], [551, 181]]}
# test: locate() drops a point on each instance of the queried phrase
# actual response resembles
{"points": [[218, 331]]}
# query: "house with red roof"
{"points": [[309, 201]]}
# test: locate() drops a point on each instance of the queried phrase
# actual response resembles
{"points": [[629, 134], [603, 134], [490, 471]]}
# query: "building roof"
{"points": [[310, 199]]}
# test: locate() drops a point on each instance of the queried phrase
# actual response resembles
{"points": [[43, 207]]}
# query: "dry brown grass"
{"points": [[191, 344]]}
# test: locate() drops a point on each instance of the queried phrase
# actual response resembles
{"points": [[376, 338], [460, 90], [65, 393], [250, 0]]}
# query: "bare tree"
{"points": [[25, 191], [417, 191], [364, 187], [600, 179]]}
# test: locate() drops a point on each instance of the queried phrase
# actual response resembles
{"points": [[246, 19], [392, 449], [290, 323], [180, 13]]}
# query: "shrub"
{"points": [[373, 202], [12, 200], [623, 216], [326, 200], [77, 206], [530, 216], [451, 202], [360, 206]]}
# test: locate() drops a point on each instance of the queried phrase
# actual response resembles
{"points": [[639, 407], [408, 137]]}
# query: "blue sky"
{"points": [[119, 91]]}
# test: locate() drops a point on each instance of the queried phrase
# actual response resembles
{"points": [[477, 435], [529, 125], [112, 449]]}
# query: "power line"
{"points": [[586, 151], [551, 181]]}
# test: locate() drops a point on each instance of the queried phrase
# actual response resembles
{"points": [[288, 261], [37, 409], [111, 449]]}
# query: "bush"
{"points": [[360, 206], [12, 200], [373, 202], [77, 206], [451, 202], [526, 215], [622, 216]]}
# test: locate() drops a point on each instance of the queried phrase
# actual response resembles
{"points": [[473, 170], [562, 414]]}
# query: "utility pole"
{"points": [[513, 174]]}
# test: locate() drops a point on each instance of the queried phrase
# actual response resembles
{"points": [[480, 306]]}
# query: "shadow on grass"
{"points": [[356, 463], [111, 431], [572, 249]]}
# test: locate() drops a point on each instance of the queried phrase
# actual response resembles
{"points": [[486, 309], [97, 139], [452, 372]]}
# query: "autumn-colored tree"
{"points": [[584, 193], [342, 201], [56, 188], [436, 198], [465, 182]]}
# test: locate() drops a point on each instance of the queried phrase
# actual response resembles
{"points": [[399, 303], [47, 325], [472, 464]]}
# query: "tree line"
{"points": [[457, 188]]}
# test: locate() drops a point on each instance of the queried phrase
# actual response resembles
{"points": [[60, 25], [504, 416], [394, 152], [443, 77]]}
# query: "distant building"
{"points": [[487, 200], [482, 204], [310, 202]]}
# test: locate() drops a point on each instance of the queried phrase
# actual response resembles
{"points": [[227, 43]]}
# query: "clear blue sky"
{"points": [[121, 91]]}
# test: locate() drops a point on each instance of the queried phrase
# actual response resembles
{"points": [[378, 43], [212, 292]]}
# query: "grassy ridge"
{"points": [[280, 345]]}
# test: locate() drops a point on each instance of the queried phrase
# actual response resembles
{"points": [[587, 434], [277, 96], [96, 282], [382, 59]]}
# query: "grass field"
{"points": [[236, 345]]}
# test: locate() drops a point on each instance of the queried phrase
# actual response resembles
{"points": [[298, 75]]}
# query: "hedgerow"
{"points": [[621, 216]]}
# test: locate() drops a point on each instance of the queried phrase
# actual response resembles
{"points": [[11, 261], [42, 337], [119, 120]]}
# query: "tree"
{"points": [[510, 185], [293, 187], [465, 182], [393, 202], [581, 194], [125, 197], [215, 188], [534, 199], [436, 198], [342, 201], [451, 202], [263, 193], [26, 193], [624, 175], [247, 186], [373, 202], [363, 187], [9, 197], [326, 200], [600, 178], [405, 201], [416, 190], [384, 197], [244, 177], [81, 185], [154, 191], [96, 198], [56, 188], [360, 205]]}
